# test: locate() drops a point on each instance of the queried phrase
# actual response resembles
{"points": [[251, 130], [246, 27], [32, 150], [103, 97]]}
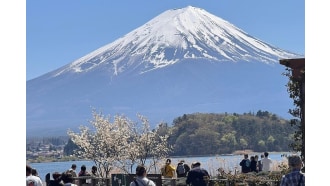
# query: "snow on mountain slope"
{"points": [[186, 33]]}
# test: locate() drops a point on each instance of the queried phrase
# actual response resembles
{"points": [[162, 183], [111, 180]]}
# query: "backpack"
{"points": [[247, 163], [137, 184], [181, 169]]}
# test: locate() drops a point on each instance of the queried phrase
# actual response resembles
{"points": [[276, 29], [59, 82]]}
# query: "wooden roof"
{"points": [[297, 65]]}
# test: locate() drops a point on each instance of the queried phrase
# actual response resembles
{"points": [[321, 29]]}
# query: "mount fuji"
{"points": [[182, 61]]}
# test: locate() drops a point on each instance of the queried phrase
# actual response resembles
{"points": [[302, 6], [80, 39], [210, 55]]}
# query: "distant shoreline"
{"points": [[72, 158], [48, 159]]}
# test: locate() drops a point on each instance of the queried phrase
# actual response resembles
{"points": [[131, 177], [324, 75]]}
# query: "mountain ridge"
{"points": [[169, 43]]}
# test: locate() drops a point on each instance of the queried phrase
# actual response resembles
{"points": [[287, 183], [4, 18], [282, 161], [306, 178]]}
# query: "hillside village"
{"points": [[46, 148]]}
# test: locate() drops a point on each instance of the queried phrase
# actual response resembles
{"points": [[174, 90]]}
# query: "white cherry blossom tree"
{"points": [[120, 144]]}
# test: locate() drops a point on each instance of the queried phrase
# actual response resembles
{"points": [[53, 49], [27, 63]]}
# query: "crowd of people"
{"points": [[253, 164], [32, 180], [59, 179], [294, 177], [195, 175]]}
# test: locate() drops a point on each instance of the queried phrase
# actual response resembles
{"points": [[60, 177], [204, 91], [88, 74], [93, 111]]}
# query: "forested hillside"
{"points": [[223, 133], [204, 134]]}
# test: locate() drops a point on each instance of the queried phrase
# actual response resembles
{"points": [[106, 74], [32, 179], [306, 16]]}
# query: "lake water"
{"points": [[210, 163]]}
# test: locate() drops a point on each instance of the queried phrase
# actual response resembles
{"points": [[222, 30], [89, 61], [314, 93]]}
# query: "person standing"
{"points": [[253, 164], [30, 179], [197, 176], [141, 179], [245, 164], [35, 172], [56, 180], [83, 171], [67, 179], [182, 169], [256, 158], [95, 174], [295, 176], [168, 170], [94, 171], [72, 170], [260, 163], [266, 162]]}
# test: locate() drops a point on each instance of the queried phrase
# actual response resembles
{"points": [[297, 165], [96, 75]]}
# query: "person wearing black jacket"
{"points": [[182, 172], [197, 176], [56, 180], [253, 164], [245, 164]]}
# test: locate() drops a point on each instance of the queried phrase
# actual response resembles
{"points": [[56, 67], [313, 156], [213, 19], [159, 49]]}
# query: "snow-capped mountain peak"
{"points": [[174, 35]]}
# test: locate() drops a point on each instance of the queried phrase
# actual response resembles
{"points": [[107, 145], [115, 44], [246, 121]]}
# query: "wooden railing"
{"points": [[93, 181]]}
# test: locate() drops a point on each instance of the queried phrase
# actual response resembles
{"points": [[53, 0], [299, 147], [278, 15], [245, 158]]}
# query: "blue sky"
{"points": [[59, 32]]}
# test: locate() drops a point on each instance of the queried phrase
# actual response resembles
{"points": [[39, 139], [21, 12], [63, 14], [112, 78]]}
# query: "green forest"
{"points": [[210, 134], [200, 134]]}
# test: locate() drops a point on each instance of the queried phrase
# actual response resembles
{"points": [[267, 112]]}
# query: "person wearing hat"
{"points": [[141, 178], [295, 177], [197, 176]]}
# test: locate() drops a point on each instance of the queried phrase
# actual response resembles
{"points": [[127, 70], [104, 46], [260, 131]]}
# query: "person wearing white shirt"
{"points": [[141, 179], [30, 179], [266, 162]]}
